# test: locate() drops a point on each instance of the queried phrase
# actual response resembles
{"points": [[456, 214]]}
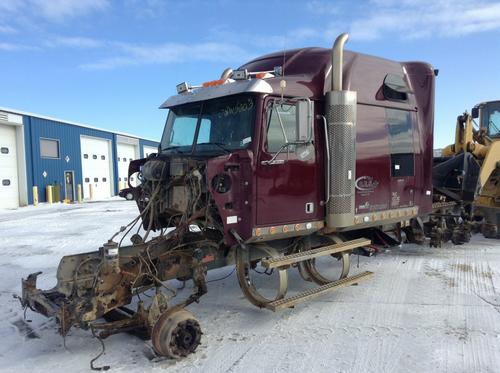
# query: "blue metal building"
{"points": [[41, 151]]}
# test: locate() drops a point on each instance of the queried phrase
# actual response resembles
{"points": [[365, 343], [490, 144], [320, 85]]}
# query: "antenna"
{"points": [[283, 81]]}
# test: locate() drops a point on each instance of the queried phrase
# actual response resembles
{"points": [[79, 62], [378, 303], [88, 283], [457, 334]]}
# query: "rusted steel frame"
{"points": [[137, 321]]}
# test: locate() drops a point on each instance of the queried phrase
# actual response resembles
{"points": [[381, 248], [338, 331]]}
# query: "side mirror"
{"points": [[475, 112], [304, 111]]}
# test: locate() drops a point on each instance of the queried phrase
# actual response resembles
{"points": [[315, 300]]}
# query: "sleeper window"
{"points": [[400, 125], [395, 88]]}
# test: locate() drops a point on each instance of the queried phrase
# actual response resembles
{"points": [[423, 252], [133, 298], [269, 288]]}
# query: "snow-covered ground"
{"points": [[426, 310]]}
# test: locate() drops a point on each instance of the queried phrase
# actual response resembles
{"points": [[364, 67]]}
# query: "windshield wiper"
{"points": [[219, 144]]}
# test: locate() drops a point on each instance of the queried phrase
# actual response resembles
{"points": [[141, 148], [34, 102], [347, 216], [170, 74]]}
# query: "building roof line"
{"points": [[63, 121]]}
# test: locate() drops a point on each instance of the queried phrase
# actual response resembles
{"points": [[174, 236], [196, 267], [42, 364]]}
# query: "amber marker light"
{"points": [[272, 230], [297, 227], [258, 232], [285, 229], [213, 83]]}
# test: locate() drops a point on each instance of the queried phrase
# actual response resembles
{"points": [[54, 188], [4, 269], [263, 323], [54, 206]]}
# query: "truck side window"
{"points": [[400, 123], [277, 130], [395, 88]]}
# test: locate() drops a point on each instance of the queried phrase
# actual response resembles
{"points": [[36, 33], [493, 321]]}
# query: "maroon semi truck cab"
{"points": [[285, 163], [285, 158]]}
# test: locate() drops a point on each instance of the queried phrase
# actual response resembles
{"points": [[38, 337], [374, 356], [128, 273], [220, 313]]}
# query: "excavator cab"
{"points": [[490, 118]]}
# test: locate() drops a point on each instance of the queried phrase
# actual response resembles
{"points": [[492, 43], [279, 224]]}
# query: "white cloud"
{"points": [[133, 54], [6, 29], [75, 42], [10, 5], [265, 41], [303, 33], [52, 10], [150, 8], [11, 47], [323, 7], [412, 19], [58, 10]]}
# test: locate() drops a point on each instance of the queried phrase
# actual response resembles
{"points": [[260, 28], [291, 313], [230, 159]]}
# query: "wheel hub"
{"points": [[186, 336], [176, 334]]}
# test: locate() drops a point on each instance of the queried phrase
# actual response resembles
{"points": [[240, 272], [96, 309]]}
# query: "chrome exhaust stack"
{"points": [[340, 107], [226, 74]]}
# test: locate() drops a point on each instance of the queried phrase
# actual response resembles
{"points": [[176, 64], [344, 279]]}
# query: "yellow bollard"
{"points": [[35, 196], [79, 193], [91, 191], [48, 194]]}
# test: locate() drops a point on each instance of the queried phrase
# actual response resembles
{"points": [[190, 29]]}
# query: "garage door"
{"points": [[96, 170], [9, 190], [125, 153], [149, 150]]}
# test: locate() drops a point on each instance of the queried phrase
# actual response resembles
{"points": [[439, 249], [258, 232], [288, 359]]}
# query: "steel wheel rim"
{"points": [[243, 268], [315, 275]]}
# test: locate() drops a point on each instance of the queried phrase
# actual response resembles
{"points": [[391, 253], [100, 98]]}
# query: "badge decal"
{"points": [[366, 183]]}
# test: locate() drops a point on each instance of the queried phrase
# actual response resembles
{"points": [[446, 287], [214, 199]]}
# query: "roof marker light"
{"points": [[213, 83], [240, 74], [182, 87]]}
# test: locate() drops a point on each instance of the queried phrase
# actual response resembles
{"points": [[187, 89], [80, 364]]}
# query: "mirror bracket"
{"points": [[475, 112], [304, 110]]}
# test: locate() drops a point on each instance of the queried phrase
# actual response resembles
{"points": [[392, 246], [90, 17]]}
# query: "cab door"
{"points": [[287, 175], [402, 152]]}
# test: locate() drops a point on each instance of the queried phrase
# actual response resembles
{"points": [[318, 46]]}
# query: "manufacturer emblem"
{"points": [[366, 183]]}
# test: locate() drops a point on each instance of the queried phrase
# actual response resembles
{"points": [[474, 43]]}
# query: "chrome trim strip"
{"points": [[227, 89]]}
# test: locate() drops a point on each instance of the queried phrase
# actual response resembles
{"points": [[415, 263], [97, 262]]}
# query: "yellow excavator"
{"points": [[478, 146]]}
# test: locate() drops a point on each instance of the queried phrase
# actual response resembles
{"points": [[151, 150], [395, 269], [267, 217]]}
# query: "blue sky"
{"points": [[112, 63]]}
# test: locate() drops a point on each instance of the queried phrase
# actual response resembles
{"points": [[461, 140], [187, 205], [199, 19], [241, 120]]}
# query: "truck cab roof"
{"points": [[307, 74]]}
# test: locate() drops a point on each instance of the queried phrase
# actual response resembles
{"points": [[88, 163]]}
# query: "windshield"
{"points": [[492, 119], [219, 125]]}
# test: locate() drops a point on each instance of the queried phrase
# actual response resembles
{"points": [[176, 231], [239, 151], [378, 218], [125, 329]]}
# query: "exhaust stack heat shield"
{"points": [[341, 118]]}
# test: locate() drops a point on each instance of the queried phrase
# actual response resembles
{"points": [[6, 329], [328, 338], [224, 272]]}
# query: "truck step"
{"points": [[314, 253], [316, 292]]}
